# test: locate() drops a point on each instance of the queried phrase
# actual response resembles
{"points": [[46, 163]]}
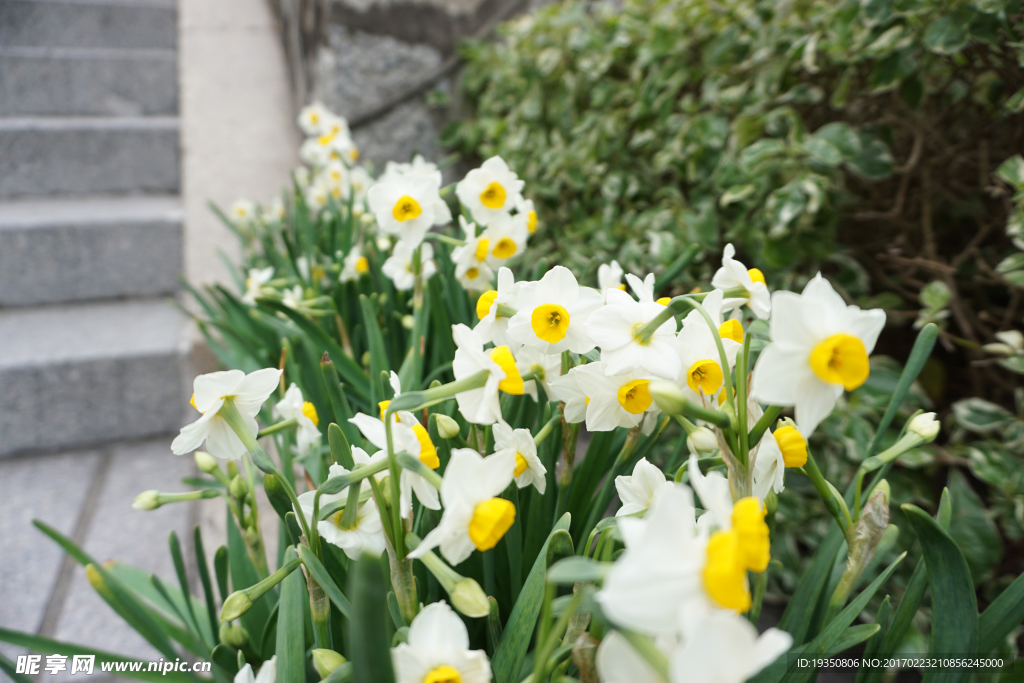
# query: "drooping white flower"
{"points": [[474, 517], [409, 206], [609, 276], [492, 326], [702, 371], [769, 469], [399, 265], [267, 674], [481, 406], [567, 389], [366, 535], [615, 400], [615, 328], [490, 191], [819, 347], [471, 267], [552, 313], [545, 367], [354, 265], [254, 284], [519, 442], [312, 118], [294, 407], [248, 392], [637, 491], [726, 648], [735, 274], [437, 650]]}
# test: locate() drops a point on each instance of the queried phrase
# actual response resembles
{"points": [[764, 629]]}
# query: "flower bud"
{"points": [[147, 500], [668, 395], [924, 425], [469, 598], [702, 440], [447, 428], [792, 444], [237, 604], [325, 661], [238, 487], [408, 321], [232, 468], [206, 462], [234, 635]]}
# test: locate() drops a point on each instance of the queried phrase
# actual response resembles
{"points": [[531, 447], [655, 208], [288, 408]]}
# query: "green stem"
{"points": [[539, 437], [280, 426], [840, 514], [446, 239], [763, 423], [741, 403]]}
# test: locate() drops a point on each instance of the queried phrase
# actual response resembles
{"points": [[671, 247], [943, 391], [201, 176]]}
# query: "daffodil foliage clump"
{"points": [[458, 458]]}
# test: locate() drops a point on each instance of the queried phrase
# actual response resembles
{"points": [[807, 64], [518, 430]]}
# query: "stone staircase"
{"points": [[91, 352]]}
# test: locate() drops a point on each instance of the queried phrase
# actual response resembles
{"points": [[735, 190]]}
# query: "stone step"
{"points": [[62, 250], [80, 155], [148, 24], [75, 376], [62, 81]]}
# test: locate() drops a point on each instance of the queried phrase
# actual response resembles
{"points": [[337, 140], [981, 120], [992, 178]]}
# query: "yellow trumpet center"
{"points": [[482, 245], [491, 519], [725, 574], [472, 273], [665, 300], [521, 464], [443, 674], [531, 221], [362, 265], [383, 405], [756, 275], [309, 410], [493, 197], [635, 397], [513, 382], [483, 304], [731, 329], [428, 452], [550, 322], [704, 375], [841, 359], [505, 248], [792, 444], [406, 208], [748, 522]]}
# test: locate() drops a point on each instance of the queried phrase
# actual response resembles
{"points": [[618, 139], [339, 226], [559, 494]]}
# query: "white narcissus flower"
{"points": [[316, 196], [254, 284], [481, 406], [725, 648], [567, 389], [294, 407], [637, 490], [293, 297], [734, 274], [525, 207], [437, 650], [546, 367], [366, 535], [242, 211], [552, 313], [819, 347], [419, 166], [769, 469], [359, 182], [702, 372], [519, 442], [614, 327], [609, 276], [493, 327], [474, 516], [267, 674], [618, 662], [354, 265], [409, 206], [471, 267], [506, 237], [248, 392], [615, 400], [312, 118], [490, 191], [398, 266]]}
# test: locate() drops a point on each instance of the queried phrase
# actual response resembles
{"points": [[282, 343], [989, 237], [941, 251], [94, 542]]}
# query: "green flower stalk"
{"points": [[239, 602], [465, 593], [151, 500]]}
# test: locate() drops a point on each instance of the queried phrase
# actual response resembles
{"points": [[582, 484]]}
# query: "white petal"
{"points": [[814, 401], [618, 662]]}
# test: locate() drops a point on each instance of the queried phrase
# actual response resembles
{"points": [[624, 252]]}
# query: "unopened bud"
{"points": [[237, 604], [668, 395], [147, 500], [469, 598], [238, 487], [325, 661], [408, 321], [702, 440], [206, 462], [232, 467], [925, 425], [234, 635], [447, 427]]}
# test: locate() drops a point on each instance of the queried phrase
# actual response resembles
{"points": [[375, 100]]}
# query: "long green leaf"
{"points": [[204, 578], [1004, 614], [320, 573], [511, 652], [8, 667], [369, 644], [954, 605], [800, 610], [291, 631], [378, 351], [244, 574], [179, 568]]}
